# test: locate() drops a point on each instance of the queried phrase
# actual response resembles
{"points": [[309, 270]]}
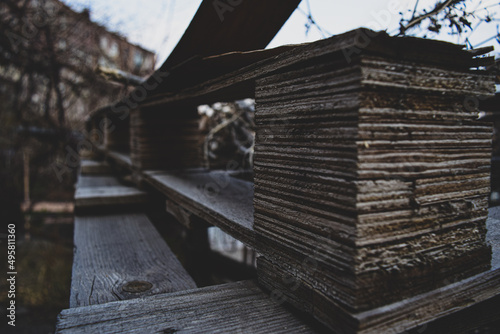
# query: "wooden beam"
{"points": [[121, 257], [215, 197], [239, 307], [92, 167], [87, 198], [219, 27]]}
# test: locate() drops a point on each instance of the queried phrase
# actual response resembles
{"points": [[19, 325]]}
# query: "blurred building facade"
{"points": [[48, 61], [49, 55]]}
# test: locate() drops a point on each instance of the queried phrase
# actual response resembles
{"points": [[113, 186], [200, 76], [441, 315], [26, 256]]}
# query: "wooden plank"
{"points": [[201, 69], [113, 251], [462, 297], [238, 26], [184, 217], [216, 197], [239, 307], [86, 198], [240, 83], [120, 158], [478, 318], [86, 181], [218, 29], [493, 235], [91, 167], [427, 307]]}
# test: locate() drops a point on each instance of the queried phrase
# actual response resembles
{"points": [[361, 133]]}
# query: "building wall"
{"points": [[60, 45]]}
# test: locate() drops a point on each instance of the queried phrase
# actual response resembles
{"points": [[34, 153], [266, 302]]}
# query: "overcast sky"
{"points": [[158, 25]]}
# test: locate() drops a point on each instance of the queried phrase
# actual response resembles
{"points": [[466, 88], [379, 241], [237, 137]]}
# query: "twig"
{"points": [[415, 21]]}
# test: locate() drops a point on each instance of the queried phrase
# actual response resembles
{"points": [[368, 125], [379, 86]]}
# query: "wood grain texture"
{"points": [[112, 250], [371, 176], [493, 235], [230, 308], [240, 83], [434, 310], [86, 198], [92, 181], [216, 197]]}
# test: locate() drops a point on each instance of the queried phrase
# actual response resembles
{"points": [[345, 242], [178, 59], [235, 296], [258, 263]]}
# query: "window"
{"points": [[114, 51], [138, 59], [103, 62], [148, 63], [103, 43], [61, 44]]}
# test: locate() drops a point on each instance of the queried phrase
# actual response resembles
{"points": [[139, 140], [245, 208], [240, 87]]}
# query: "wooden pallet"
{"points": [[371, 174]]}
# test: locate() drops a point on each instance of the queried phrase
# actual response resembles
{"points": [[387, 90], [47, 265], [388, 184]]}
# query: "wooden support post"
{"points": [[163, 140], [371, 178], [117, 132], [197, 255]]}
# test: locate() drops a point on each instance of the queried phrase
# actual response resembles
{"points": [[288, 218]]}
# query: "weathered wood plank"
{"points": [[493, 235], [239, 307], [92, 197], [419, 311], [94, 167], [120, 158], [90, 181], [214, 30], [433, 305], [112, 251], [240, 83], [189, 220], [218, 198]]}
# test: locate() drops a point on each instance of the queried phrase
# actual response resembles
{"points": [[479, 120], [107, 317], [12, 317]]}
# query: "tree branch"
{"points": [[416, 20]]}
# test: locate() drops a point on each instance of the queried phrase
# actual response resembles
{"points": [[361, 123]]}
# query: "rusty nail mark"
{"points": [[137, 286]]}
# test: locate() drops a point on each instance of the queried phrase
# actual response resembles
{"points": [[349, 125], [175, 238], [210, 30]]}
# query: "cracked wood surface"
{"points": [[240, 307], [113, 250]]}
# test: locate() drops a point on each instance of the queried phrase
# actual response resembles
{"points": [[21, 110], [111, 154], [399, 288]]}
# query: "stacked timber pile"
{"points": [[160, 141], [371, 175]]}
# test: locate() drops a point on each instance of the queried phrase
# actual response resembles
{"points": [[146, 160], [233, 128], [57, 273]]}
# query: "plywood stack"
{"points": [[371, 176], [164, 140]]}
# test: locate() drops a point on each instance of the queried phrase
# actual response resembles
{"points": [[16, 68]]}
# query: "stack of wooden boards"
{"points": [[371, 175]]}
